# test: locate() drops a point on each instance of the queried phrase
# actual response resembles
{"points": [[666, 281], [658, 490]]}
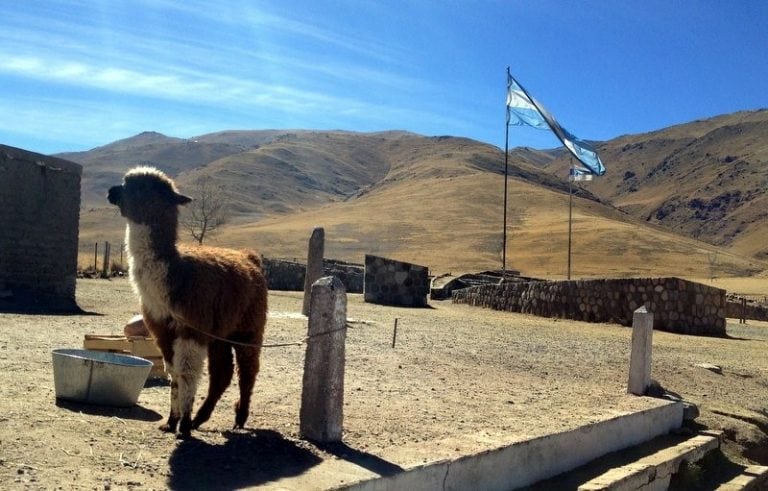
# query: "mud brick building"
{"points": [[39, 216]]}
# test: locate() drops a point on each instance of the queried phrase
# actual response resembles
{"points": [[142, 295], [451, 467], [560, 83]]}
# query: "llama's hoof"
{"points": [[199, 419], [170, 425], [185, 426], [181, 435], [167, 428], [240, 423], [241, 415]]}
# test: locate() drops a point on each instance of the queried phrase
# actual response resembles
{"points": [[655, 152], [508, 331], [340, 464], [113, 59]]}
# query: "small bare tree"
{"points": [[207, 212]]}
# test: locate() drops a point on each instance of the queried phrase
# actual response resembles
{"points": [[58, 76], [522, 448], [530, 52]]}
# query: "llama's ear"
{"points": [[181, 199]]}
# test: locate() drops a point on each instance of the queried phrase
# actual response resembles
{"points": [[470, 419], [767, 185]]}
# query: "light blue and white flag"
{"points": [[577, 174], [523, 109]]}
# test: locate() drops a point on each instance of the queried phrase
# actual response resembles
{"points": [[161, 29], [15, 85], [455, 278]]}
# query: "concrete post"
{"points": [[322, 396], [314, 271], [105, 269], [640, 359]]}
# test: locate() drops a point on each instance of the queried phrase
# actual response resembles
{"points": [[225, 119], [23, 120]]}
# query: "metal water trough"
{"points": [[96, 377]]}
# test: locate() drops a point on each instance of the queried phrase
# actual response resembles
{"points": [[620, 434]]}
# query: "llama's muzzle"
{"points": [[114, 195]]}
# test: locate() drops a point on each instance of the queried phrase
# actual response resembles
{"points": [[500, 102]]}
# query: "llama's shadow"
{"points": [[246, 459]]}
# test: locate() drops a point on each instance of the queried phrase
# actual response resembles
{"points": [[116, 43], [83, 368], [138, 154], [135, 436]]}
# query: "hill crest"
{"points": [[689, 178]]}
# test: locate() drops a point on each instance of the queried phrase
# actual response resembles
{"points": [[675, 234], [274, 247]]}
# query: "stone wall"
{"points": [[289, 275], [389, 282], [39, 216], [678, 305], [735, 310]]}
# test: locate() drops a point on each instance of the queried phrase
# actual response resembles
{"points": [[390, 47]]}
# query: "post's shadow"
{"points": [[246, 459], [134, 412], [365, 460]]}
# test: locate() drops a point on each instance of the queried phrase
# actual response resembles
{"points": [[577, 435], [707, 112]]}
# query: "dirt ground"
{"points": [[460, 379]]}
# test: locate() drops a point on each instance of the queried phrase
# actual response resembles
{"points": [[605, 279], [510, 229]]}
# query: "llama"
{"points": [[192, 299]]}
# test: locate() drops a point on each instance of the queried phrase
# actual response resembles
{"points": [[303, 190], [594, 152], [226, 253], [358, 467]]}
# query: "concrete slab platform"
{"points": [[503, 468]]}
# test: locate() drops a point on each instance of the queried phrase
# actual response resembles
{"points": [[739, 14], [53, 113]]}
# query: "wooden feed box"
{"points": [[144, 347]]}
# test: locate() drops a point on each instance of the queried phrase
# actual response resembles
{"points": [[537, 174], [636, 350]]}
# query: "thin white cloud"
{"points": [[114, 114], [248, 15], [222, 82], [195, 88], [199, 88], [162, 50]]}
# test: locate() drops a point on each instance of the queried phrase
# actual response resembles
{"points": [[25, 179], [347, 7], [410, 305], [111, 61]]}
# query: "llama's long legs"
{"points": [[188, 356], [247, 368], [173, 417], [220, 369]]}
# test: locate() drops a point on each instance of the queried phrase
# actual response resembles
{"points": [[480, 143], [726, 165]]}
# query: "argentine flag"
{"points": [[524, 110]]}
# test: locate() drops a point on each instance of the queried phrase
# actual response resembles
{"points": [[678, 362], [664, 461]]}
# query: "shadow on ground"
{"points": [[134, 412], [365, 460], [245, 459], [256, 457]]}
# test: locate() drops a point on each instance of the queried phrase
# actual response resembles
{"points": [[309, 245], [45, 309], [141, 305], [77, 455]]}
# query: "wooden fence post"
{"points": [[315, 253], [96, 257], [394, 334], [640, 358], [743, 318], [322, 396]]}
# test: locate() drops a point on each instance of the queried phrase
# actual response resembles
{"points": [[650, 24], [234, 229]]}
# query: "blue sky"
{"points": [[79, 74]]}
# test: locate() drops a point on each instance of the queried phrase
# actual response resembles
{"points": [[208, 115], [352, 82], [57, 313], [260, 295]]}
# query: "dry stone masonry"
{"points": [[677, 305], [738, 309], [389, 282], [39, 216], [289, 275]]}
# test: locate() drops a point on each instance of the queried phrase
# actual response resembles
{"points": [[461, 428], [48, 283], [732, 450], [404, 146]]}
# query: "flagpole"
{"points": [[506, 173], [529, 112], [570, 213]]}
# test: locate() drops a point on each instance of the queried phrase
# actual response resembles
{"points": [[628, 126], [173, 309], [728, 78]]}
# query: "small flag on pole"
{"points": [[577, 174], [524, 110]]}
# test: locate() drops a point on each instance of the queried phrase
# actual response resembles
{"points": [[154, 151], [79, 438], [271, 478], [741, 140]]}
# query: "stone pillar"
{"points": [[315, 254], [322, 395], [640, 359]]}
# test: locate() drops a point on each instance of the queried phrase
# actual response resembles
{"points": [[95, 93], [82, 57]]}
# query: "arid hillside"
{"points": [[706, 179], [438, 201]]}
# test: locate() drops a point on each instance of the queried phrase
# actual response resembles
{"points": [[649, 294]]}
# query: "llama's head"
{"points": [[147, 196]]}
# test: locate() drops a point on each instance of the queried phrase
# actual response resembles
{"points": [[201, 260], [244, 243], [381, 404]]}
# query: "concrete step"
{"points": [[654, 471], [752, 478], [645, 467]]}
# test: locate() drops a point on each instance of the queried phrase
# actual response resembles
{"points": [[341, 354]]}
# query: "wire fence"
{"points": [[102, 259]]}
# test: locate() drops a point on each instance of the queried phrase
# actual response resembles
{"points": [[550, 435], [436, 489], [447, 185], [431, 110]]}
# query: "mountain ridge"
{"points": [[282, 182]]}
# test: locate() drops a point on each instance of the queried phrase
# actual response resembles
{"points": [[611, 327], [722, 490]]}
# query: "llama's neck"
{"points": [[150, 253], [147, 243]]}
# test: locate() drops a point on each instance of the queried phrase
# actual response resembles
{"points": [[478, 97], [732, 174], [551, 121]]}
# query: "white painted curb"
{"points": [[524, 463]]}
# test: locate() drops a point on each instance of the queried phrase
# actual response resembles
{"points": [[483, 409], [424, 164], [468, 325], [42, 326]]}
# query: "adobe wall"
{"points": [[677, 305], [389, 282], [39, 216], [289, 275]]}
